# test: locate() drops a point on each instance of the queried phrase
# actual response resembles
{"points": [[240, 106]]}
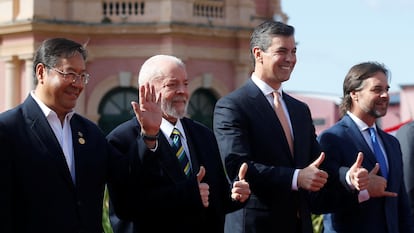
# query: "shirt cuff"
{"points": [[156, 146], [363, 195], [295, 180]]}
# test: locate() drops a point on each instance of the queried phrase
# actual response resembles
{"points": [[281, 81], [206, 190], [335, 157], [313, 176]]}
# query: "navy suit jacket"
{"points": [[159, 191], [248, 130], [37, 191], [341, 143]]}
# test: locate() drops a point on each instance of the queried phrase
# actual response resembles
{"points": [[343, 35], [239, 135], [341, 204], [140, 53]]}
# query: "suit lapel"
{"points": [[80, 144], [266, 113], [192, 146], [168, 160], [389, 150], [353, 131], [44, 135]]}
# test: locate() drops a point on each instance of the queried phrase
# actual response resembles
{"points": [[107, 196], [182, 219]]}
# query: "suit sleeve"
{"points": [[406, 138], [6, 191], [236, 136]]}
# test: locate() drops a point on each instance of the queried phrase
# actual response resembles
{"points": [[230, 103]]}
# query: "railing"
{"points": [[209, 9], [122, 8]]}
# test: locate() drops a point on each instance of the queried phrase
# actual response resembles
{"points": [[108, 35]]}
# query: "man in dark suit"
{"points": [[381, 204], [191, 198], [405, 136], [54, 163], [249, 131]]}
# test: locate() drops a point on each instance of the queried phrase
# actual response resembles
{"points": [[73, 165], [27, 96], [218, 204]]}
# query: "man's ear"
{"points": [[257, 52], [354, 95], [41, 72]]}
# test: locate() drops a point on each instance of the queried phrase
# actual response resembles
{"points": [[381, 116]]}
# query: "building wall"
{"points": [[212, 38]]}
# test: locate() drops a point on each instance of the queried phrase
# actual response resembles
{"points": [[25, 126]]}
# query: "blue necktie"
{"points": [[378, 153], [180, 152]]}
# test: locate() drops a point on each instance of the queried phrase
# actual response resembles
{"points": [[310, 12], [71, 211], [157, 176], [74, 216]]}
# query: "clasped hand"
{"points": [[373, 183]]}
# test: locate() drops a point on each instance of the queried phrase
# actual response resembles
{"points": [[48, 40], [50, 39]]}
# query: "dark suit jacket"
{"points": [[37, 191], [341, 143], [248, 130], [159, 191], [405, 136]]}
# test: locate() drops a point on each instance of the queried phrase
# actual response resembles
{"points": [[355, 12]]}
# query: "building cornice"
{"points": [[48, 26]]}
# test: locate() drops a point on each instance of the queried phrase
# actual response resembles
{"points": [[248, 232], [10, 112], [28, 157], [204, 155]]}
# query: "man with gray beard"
{"points": [[177, 176]]}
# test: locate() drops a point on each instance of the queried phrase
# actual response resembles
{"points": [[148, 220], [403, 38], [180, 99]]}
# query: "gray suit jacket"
{"points": [[405, 136]]}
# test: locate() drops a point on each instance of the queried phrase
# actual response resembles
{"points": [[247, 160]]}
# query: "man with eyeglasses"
{"points": [[54, 163]]}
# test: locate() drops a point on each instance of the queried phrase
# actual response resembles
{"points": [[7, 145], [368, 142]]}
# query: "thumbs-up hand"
{"points": [[359, 175], [311, 178], [241, 189], [203, 187], [377, 184]]}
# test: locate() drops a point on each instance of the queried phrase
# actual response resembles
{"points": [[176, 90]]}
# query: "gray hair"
{"points": [[151, 70], [263, 34]]}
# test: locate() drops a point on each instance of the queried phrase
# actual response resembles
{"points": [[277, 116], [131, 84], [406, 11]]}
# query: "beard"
{"points": [[169, 109]]}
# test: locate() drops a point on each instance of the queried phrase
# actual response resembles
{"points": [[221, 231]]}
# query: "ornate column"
{"points": [[12, 83], [28, 80]]}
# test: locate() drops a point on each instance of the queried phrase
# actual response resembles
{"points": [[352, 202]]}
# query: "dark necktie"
{"points": [[378, 153], [180, 152]]}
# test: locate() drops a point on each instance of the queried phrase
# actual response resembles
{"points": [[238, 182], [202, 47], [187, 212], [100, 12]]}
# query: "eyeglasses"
{"points": [[72, 76]]}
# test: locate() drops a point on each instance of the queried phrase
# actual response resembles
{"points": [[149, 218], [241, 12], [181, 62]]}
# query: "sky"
{"points": [[332, 36]]}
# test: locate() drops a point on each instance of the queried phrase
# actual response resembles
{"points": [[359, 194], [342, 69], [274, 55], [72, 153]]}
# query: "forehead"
{"points": [[176, 73], [73, 62], [283, 41], [377, 79]]}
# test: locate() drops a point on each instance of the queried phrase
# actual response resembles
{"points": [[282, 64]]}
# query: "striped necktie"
{"points": [[180, 152]]}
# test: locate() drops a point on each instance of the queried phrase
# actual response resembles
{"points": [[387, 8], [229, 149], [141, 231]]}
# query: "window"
{"points": [[201, 106], [116, 108]]}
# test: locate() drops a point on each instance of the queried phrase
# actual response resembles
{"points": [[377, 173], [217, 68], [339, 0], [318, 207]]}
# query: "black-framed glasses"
{"points": [[72, 76]]}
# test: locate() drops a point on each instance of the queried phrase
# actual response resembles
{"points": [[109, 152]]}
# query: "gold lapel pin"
{"points": [[81, 140]]}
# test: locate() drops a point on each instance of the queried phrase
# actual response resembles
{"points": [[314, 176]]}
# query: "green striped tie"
{"points": [[180, 152]]}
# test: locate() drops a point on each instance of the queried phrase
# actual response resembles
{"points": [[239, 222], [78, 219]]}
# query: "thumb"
{"points": [[319, 160], [359, 160], [375, 170], [201, 173], [135, 106], [243, 171]]}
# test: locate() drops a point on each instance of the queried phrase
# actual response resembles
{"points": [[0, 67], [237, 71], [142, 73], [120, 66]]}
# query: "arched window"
{"points": [[201, 106], [116, 108]]}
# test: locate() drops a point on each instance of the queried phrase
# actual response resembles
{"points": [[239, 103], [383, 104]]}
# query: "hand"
{"points": [[241, 189], [203, 187], [378, 184], [359, 175], [148, 112], [311, 178]]}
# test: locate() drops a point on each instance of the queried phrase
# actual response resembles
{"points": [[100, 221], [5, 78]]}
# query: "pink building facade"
{"points": [[210, 36]]}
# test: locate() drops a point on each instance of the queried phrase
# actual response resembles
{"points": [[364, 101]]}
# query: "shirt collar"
{"points": [[362, 126], [48, 111], [264, 87], [167, 128]]}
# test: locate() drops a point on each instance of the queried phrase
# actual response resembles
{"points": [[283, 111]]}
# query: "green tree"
{"points": [[106, 224]]}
